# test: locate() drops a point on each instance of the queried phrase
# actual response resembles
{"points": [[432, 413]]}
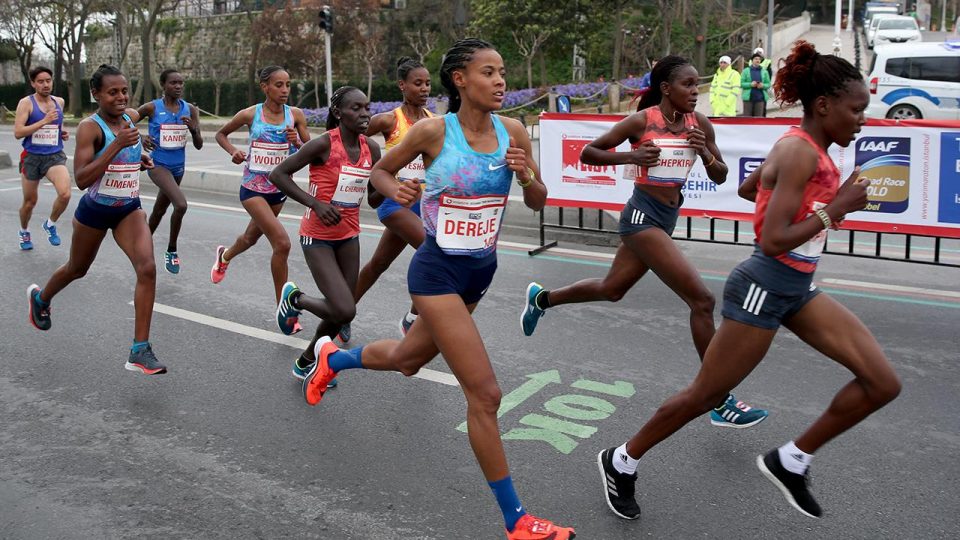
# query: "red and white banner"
{"points": [[914, 168]]}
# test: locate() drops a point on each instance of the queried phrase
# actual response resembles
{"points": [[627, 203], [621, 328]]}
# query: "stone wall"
{"points": [[211, 47]]}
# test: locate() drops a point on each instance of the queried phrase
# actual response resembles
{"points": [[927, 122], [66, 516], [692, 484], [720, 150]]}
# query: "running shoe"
{"points": [[39, 313], [25, 243], [52, 234], [344, 334], [319, 376], [406, 323], [795, 487], [286, 314], [301, 373], [736, 414], [534, 528], [219, 270], [531, 313], [618, 488], [145, 361], [296, 327], [171, 261]]}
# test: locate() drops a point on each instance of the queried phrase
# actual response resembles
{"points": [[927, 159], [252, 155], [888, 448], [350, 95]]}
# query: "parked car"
{"points": [[872, 29], [897, 30], [915, 80]]}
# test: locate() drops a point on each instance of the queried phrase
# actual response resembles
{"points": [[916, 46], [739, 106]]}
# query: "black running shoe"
{"points": [[145, 362], [795, 487], [39, 313], [618, 488]]}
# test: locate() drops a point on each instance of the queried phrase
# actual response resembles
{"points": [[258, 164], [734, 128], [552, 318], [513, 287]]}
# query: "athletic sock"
{"points": [[793, 459], [25, 231], [222, 260], [342, 359], [542, 300], [410, 317], [622, 461], [508, 500], [48, 223], [36, 297], [303, 362], [139, 346], [295, 301]]}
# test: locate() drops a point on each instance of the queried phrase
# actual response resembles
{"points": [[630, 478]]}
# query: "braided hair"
{"points": [[664, 72], [336, 101], [457, 57], [405, 65], [96, 80], [265, 73], [805, 75]]}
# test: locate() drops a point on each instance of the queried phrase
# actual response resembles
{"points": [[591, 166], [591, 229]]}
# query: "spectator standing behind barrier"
{"points": [[724, 89], [755, 80], [765, 62]]}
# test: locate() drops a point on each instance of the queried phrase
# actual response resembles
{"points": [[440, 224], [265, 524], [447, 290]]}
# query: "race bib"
{"points": [[264, 156], [351, 187], [414, 169], [173, 136], [676, 159], [48, 135], [122, 181], [811, 250], [469, 224]]}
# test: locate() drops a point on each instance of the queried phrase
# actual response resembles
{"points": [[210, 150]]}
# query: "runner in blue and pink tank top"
{"points": [[798, 199], [276, 131], [172, 120], [39, 122], [107, 164], [471, 156]]}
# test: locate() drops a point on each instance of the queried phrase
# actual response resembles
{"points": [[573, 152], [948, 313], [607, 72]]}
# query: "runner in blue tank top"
{"points": [[39, 122], [471, 157], [107, 164], [276, 131], [171, 119]]}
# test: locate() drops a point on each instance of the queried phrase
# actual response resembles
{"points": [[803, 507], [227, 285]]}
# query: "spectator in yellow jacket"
{"points": [[725, 89]]}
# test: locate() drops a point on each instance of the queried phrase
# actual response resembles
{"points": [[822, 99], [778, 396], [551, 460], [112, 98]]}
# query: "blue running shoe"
{"points": [[344, 334], [39, 312], [406, 322], [287, 315], [301, 372], [52, 234], [531, 313], [145, 362], [736, 414], [171, 261], [25, 243]]}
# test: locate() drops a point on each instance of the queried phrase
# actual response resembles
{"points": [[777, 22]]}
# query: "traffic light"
{"points": [[326, 19]]}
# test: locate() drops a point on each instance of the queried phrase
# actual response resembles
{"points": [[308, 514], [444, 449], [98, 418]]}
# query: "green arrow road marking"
{"points": [[537, 382], [619, 389]]}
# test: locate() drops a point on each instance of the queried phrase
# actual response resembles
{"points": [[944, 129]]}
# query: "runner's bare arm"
{"points": [[381, 124], [316, 152], [597, 152], [20, 127], [789, 167], [300, 124], [712, 160], [748, 189], [242, 118], [374, 197], [195, 127], [146, 110]]}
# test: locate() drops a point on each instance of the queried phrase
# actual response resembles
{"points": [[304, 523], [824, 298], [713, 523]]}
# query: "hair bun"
{"points": [[403, 60]]}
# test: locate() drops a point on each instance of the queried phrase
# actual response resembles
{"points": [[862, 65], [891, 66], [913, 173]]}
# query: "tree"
{"points": [[145, 14], [423, 41], [52, 31], [21, 31], [74, 15]]}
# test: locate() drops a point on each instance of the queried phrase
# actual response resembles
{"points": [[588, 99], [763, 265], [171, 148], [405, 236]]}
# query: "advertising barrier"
{"points": [[913, 167]]}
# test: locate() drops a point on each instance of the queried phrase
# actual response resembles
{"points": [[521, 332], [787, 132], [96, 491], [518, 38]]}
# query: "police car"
{"points": [[915, 80]]}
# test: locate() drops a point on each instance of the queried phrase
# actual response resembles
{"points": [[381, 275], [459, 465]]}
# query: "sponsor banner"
{"points": [[913, 167]]}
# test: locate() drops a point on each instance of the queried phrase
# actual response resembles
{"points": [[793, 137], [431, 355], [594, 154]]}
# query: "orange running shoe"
{"points": [[320, 374], [534, 528]]}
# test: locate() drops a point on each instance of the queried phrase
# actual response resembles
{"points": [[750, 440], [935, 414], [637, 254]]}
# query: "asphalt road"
{"points": [[224, 447]]}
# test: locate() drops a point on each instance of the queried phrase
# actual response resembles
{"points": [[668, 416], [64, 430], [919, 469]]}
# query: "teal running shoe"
{"points": [[287, 315], [171, 261], [736, 414], [531, 313], [25, 243]]}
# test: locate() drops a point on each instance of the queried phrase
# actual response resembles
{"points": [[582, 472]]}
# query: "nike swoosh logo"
{"points": [[519, 509], [492, 168]]}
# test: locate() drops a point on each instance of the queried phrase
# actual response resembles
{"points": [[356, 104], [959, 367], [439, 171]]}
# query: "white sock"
{"points": [[622, 461], [49, 223], [25, 231], [793, 459], [410, 317]]}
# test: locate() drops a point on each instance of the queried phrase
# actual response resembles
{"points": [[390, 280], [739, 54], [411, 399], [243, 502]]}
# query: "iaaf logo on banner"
{"points": [[577, 172]]}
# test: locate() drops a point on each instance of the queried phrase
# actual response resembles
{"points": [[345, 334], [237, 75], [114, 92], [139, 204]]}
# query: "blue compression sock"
{"points": [[342, 359], [508, 500], [139, 345]]}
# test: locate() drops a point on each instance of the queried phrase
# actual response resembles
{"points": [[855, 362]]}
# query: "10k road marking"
{"points": [[265, 335]]}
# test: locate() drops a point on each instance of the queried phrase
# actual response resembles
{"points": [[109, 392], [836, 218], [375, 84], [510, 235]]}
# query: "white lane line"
{"points": [[265, 335], [10, 188], [894, 288]]}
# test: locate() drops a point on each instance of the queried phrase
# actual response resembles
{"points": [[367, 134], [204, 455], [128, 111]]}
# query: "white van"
{"points": [[915, 80]]}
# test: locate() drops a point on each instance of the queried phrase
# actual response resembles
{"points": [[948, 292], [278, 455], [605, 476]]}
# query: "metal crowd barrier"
{"points": [[911, 248]]}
